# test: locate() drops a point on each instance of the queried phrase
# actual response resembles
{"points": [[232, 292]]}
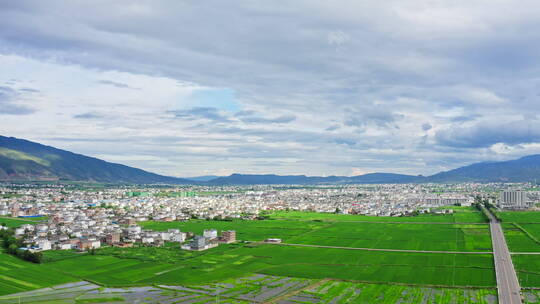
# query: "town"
{"points": [[86, 219]]}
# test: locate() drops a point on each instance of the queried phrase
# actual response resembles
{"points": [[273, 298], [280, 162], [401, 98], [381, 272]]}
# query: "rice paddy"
{"points": [[417, 236], [256, 288]]}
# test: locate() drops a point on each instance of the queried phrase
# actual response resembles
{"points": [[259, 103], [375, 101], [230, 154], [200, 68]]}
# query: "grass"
{"points": [[17, 275], [522, 237], [17, 155], [99, 300], [58, 255], [418, 236], [143, 266], [461, 215], [229, 261], [520, 216], [260, 288], [348, 292], [14, 222], [10, 195], [528, 269]]}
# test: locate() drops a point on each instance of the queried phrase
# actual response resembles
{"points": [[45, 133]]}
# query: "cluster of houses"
{"points": [[49, 236], [210, 239], [42, 237], [382, 200], [89, 219]]}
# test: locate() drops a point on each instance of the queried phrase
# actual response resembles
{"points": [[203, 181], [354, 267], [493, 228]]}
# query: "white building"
{"points": [[178, 237], [64, 246], [210, 233], [134, 229], [44, 245], [147, 240], [165, 236], [514, 199]]}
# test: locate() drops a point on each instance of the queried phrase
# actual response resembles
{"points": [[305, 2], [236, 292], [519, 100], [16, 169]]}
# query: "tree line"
{"points": [[12, 246]]}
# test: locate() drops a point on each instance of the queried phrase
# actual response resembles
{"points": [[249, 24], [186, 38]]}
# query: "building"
{"points": [[178, 237], [228, 236], [83, 245], [15, 210], [200, 243], [514, 199], [134, 229], [64, 246], [44, 244], [210, 233], [112, 238]]}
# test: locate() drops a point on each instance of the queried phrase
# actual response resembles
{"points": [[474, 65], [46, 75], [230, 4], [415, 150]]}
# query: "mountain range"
{"points": [[23, 160]]}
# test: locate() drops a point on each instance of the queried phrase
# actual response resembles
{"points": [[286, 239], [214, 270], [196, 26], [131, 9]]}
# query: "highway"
{"points": [[507, 281]]}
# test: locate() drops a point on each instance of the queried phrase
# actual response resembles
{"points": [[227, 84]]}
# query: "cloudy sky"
{"points": [[189, 88]]}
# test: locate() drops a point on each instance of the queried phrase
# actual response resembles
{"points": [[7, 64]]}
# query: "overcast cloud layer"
{"points": [[190, 88]]}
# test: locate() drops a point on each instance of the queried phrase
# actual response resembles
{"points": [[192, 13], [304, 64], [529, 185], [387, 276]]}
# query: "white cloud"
{"points": [[123, 73]]}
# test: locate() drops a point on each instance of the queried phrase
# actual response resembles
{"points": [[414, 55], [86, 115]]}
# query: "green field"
{"points": [[236, 260], [16, 222], [17, 275], [417, 236], [520, 216], [461, 215], [528, 269], [169, 265], [522, 237], [347, 292], [259, 288]]}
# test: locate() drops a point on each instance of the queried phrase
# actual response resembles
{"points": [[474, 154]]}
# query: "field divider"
{"points": [[297, 291], [382, 222], [376, 249], [518, 226]]}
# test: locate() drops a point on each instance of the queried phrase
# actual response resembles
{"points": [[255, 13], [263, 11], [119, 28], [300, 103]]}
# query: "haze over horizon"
{"points": [[311, 87]]}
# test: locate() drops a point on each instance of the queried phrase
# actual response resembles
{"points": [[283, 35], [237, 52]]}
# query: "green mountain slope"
{"points": [[25, 160]]}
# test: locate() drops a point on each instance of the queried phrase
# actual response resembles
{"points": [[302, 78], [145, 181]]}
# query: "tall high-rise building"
{"points": [[514, 199]]}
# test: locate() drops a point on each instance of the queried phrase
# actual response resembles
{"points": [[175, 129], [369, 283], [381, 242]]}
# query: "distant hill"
{"points": [[25, 160], [272, 179], [203, 178], [525, 169], [386, 178]]}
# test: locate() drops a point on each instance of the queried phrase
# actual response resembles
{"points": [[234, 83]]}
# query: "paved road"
{"points": [[375, 249], [507, 281]]}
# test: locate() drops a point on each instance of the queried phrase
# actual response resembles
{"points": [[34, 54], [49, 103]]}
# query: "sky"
{"points": [[188, 88]]}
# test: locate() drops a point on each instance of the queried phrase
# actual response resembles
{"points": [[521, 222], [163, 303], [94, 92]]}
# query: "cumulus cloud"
{"points": [[427, 126], [258, 119], [483, 135], [378, 115], [87, 116], [329, 86], [207, 113], [116, 84], [8, 102]]}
